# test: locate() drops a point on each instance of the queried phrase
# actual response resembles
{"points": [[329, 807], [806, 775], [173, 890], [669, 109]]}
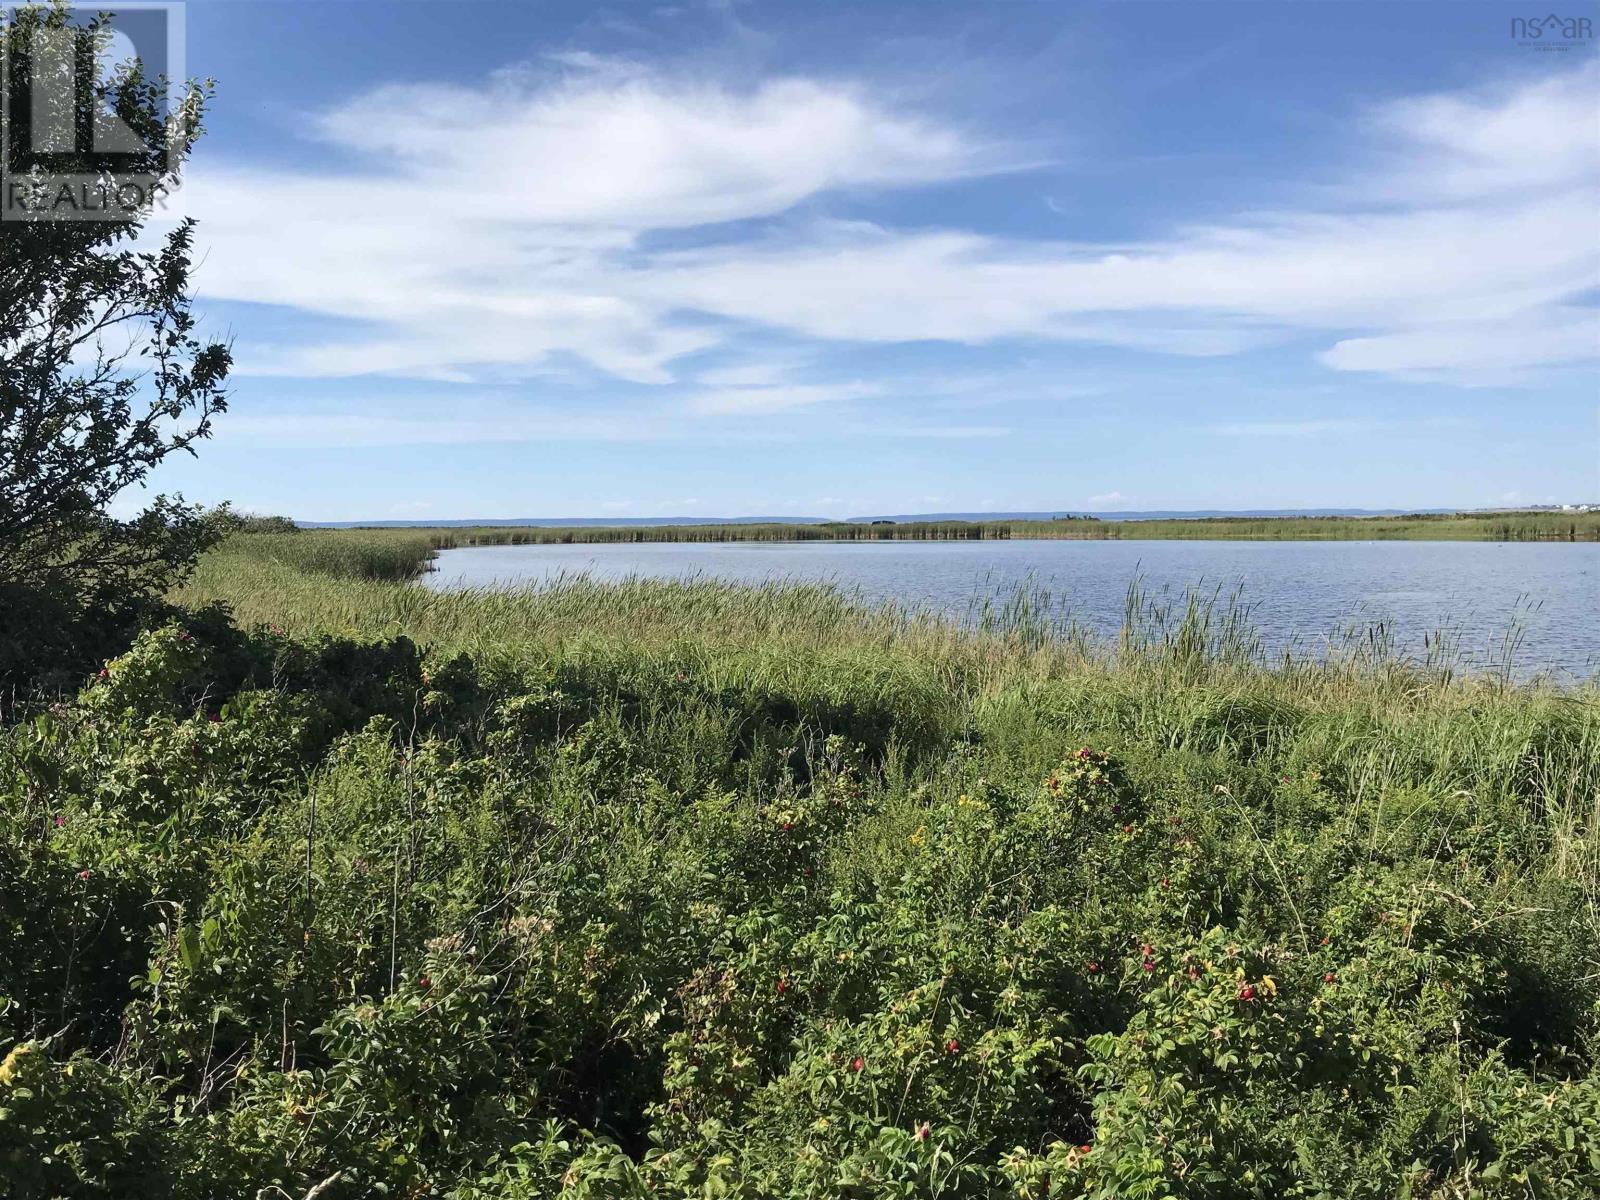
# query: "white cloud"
{"points": [[1487, 352], [729, 400], [489, 233], [1108, 500]]}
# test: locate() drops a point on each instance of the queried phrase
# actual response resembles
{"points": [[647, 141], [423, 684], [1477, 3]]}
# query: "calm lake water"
{"points": [[1301, 593]]}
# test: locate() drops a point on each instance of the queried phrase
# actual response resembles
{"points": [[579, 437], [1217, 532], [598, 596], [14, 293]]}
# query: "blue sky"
{"points": [[484, 260]]}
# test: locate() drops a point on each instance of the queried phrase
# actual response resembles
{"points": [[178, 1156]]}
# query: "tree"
{"points": [[102, 373]]}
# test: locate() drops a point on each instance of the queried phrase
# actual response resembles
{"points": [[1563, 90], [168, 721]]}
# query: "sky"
{"points": [[689, 259]]}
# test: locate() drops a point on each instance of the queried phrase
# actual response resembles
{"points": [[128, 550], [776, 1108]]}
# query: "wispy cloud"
{"points": [[489, 232]]}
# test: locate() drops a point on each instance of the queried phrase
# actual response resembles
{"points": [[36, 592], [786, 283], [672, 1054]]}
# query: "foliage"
{"points": [[695, 890], [103, 374]]}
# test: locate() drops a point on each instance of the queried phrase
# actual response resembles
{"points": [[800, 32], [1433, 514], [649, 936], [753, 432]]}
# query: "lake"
{"points": [[1301, 593]]}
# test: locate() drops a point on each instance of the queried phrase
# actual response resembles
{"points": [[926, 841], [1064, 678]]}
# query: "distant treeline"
{"points": [[403, 553], [1493, 527]]}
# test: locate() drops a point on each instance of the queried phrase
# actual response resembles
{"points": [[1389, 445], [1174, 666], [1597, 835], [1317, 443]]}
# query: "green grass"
{"points": [[690, 889], [1477, 526]]}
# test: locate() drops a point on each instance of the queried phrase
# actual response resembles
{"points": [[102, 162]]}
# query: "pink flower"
{"points": [[60, 820], [85, 873]]}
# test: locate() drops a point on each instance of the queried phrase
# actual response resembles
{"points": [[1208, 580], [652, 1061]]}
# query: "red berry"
{"points": [[1148, 965], [85, 873], [1085, 1148], [1247, 992], [1094, 968], [952, 1047], [857, 1063], [783, 986], [1330, 977], [424, 982], [787, 826]]}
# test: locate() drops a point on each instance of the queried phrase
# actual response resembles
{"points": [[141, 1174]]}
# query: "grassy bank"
{"points": [[692, 889], [1489, 527]]}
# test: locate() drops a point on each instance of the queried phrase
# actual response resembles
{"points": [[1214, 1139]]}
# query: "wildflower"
{"points": [[60, 820], [214, 718], [1085, 1148], [1148, 965], [952, 1047], [783, 985], [1127, 829], [104, 674], [857, 1063], [917, 837], [1147, 949], [1247, 992], [1329, 977], [788, 826], [806, 872], [85, 873], [922, 1132], [1094, 968]]}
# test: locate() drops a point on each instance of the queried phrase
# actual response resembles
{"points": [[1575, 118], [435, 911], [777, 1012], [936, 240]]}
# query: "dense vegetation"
{"points": [[1484, 526], [688, 889], [103, 373]]}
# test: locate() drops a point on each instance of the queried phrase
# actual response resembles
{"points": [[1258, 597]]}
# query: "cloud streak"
{"points": [[490, 233]]}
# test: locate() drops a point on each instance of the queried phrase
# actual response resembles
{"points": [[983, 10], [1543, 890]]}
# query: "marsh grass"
{"points": [[1187, 672], [631, 889]]}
